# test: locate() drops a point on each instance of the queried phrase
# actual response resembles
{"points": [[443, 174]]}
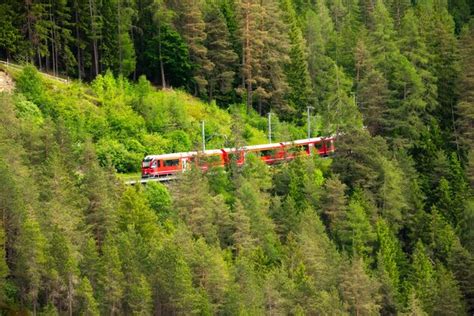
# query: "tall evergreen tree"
{"points": [[297, 72], [220, 53], [190, 23]]}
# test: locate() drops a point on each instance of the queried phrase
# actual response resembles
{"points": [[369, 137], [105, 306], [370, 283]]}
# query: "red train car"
{"points": [[169, 164]]}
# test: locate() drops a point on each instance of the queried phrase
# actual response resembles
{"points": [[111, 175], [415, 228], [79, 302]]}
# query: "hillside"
{"points": [[383, 226]]}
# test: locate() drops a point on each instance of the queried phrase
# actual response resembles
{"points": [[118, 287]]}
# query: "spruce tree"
{"points": [[87, 304], [297, 72], [190, 23], [422, 278], [464, 108], [333, 205], [359, 290], [112, 280], [4, 270], [448, 300], [220, 53]]}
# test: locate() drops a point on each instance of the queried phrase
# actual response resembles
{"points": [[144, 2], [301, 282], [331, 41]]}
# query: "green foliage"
{"points": [[383, 226]]}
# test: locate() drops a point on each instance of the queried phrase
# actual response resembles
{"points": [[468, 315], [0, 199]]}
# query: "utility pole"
{"points": [[309, 108], [269, 127], [203, 137]]}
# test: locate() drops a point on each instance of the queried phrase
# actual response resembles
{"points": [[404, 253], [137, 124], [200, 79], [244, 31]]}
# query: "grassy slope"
{"points": [[127, 121]]}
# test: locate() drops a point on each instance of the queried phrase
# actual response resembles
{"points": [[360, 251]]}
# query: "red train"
{"points": [[169, 164]]}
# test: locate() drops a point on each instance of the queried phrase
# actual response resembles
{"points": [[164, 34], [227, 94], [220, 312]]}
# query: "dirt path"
{"points": [[6, 83]]}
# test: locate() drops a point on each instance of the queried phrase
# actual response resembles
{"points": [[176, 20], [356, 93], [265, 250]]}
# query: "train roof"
{"points": [[245, 148]]}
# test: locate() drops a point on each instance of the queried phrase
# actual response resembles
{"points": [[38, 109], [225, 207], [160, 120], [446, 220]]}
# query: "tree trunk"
{"points": [[119, 36], [94, 39], [162, 69], [78, 43]]}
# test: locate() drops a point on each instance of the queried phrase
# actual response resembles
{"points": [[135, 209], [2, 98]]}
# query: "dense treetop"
{"points": [[385, 226]]}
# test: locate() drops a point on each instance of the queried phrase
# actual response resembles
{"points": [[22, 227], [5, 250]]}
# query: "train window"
{"points": [[211, 159], [170, 163], [295, 149], [318, 145], [267, 152], [155, 164], [234, 156], [146, 162], [306, 147]]}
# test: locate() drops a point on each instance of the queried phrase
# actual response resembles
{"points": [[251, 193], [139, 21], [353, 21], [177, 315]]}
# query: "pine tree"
{"points": [[318, 33], [414, 307], [220, 53], [90, 264], [316, 251], [357, 232], [173, 281], [30, 262], [406, 85], [242, 236], [461, 263], [464, 108], [423, 277], [250, 13], [112, 281], [190, 23], [448, 300], [63, 264], [87, 302], [271, 82], [389, 261], [437, 30], [333, 204], [4, 270], [11, 40], [99, 214], [192, 202], [117, 51], [413, 46], [162, 18], [297, 72], [398, 10], [359, 290]]}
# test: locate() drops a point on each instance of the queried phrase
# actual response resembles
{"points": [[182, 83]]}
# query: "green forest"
{"points": [[385, 225]]}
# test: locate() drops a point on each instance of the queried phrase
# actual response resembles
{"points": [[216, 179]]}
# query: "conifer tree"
{"points": [[316, 251], [437, 30], [90, 264], [250, 13], [271, 84], [30, 262], [448, 299], [4, 271], [297, 72], [99, 214], [10, 36], [413, 46], [359, 289], [162, 17], [112, 281], [220, 53], [464, 108], [389, 262], [87, 304], [423, 277], [373, 94], [192, 202], [333, 204], [192, 27], [357, 232], [242, 236], [461, 263]]}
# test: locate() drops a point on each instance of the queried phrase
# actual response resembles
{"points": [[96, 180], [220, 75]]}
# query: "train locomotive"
{"points": [[154, 166]]}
